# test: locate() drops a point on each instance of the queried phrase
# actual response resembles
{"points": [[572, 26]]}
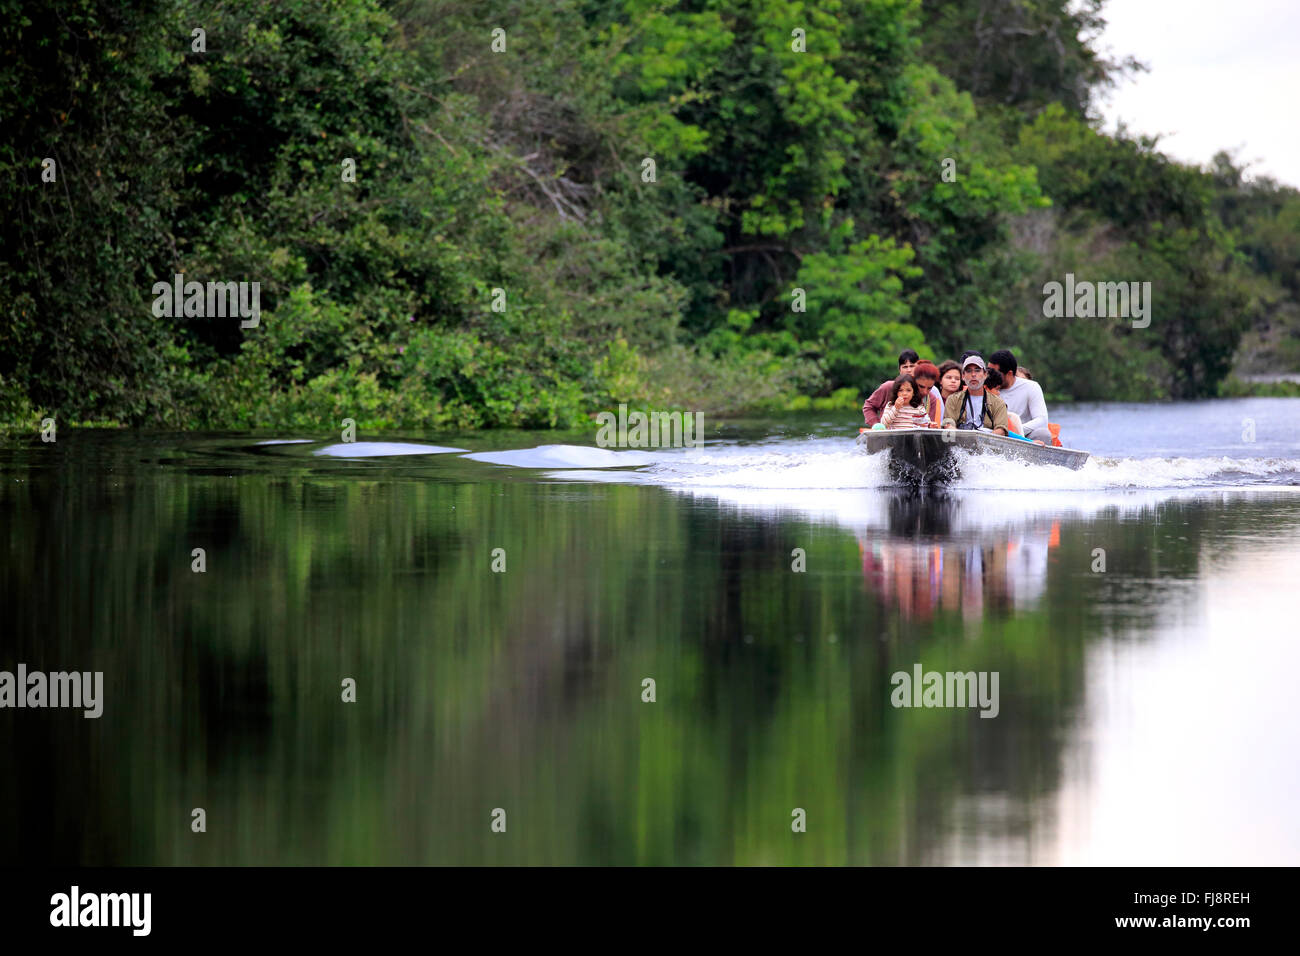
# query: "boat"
{"points": [[926, 455]]}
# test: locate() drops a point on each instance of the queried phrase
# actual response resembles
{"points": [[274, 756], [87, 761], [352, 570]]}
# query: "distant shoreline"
{"points": [[1271, 379]]}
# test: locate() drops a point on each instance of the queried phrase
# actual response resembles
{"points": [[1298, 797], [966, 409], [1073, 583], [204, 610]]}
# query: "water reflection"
{"points": [[926, 560], [1145, 640], [523, 689]]}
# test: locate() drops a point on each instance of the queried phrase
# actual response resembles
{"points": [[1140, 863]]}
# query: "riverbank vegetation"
{"points": [[564, 205]]}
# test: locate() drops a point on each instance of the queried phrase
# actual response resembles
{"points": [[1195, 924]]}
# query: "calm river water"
{"points": [[501, 600]]}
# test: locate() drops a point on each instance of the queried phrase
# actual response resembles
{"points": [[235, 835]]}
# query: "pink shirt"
{"points": [[909, 416], [875, 404]]}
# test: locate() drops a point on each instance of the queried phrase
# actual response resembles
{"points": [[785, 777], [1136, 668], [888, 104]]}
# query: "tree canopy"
{"points": [[561, 205]]}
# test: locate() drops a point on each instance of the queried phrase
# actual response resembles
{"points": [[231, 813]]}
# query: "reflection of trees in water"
{"points": [[522, 690]]}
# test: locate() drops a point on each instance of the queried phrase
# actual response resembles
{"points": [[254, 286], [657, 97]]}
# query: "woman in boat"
{"points": [[949, 380], [907, 406], [926, 375]]}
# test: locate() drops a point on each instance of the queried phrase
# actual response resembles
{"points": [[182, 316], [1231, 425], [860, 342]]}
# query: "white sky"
{"points": [[1224, 74]]}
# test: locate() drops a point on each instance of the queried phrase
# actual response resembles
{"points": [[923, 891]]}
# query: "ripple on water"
{"points": [[380, 449]]}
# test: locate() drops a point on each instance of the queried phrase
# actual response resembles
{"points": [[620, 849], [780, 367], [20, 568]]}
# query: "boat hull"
{"points": [[926, 455]]}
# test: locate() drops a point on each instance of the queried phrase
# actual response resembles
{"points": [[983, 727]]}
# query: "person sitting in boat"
{"points": [[906, 408], [972, 407], [926, 375], [993, 383], [875, 404], [1022, 395], [949, 379]]}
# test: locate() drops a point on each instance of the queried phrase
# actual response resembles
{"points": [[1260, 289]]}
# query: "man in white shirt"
{"points": [[1023, 396]]}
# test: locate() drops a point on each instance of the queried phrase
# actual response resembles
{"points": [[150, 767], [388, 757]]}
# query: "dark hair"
{"points": [[1006, 361], [949, 366], [1024, 373], [907, 355], [927, 369], [898, 384], [992, 378]]}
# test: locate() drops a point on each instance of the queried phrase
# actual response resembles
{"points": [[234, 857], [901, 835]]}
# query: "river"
{"points": [[497, 604]]}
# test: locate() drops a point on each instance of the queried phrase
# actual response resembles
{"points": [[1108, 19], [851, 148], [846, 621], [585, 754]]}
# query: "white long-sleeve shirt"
{"points": [[1025, 398]]}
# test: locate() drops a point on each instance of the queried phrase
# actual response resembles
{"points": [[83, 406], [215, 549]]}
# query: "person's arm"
{"points": [[952, 408], [875, 404], [1036, 410], [997, 412], [887, 417]]}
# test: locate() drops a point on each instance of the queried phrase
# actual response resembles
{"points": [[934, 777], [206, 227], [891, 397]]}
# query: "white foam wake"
{"points": [[835, 464], [381, 449]]}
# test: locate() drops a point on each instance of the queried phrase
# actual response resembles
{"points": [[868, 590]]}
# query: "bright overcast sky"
{"points": [[1224, 74]]}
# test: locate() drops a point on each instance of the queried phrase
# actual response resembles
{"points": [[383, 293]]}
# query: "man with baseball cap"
{"points": [[972, 407]]}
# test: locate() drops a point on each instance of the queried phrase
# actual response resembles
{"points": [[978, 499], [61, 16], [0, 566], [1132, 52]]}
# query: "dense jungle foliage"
{"points": [[561, 205]]}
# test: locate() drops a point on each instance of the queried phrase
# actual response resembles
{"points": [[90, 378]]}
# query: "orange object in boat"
{"points": [[1056, 435]]}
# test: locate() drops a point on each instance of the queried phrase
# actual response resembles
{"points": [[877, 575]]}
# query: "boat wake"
{"points": [[827, 463]]}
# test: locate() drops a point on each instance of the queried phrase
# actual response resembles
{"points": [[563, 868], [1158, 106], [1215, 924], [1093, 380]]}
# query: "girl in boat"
{"points": [[949, 380], [907, 406]]}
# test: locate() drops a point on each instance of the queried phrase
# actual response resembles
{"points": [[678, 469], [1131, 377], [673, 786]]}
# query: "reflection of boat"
{"points": [[924, 563], [926, 454]]}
